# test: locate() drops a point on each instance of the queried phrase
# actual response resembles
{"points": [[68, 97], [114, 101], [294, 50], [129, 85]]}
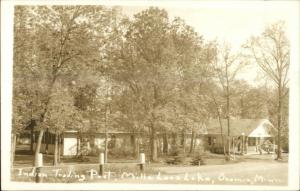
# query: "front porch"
{"points": [[254, 145]]}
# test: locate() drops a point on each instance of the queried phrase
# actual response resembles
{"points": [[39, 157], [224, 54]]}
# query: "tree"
{"points": [[216, 107], [271, 52], [27, 98], [250, 102], [193, 57], [64, 40], [130, 116], [145, 65], [158, 63], [226, 65], [61, 114]]}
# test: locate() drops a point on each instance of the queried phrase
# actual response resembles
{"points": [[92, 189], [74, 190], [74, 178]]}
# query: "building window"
{"points": [[112, 142], [209, 141]]}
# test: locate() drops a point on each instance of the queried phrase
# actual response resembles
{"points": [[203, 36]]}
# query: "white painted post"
{"points": [[39, 161], [142, 161], [101, 161], [38, 166], [101, 158]]}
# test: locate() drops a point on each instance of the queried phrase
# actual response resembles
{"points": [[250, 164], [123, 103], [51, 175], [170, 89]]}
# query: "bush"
{"points": [[198, 160], [81, 158], [125, 152], [175, 151], [177, 156], [217, 150]]}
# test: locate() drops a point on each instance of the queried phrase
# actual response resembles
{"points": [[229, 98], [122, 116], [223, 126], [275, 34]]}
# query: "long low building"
{"points": [[247, 135]]}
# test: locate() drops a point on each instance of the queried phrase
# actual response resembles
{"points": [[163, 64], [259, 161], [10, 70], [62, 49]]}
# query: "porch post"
{"points": [[243, 143], [233, 144], [246, 145], [274, 144], [256, 143], [260, 151]]}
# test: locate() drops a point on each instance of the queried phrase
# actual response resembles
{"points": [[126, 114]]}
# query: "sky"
{"points": [[232, 22]]}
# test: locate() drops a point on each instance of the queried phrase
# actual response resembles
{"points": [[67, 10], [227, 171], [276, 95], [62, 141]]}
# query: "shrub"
{"points": [[177, 156], [198, 160], [95, 151], [217, 150], [125, 152]]}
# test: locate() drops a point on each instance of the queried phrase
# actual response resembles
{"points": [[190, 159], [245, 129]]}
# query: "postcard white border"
{"points": [[6, 97]]}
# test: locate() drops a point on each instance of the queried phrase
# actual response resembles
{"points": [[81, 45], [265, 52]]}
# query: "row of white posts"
{"points": [[39, 165]]}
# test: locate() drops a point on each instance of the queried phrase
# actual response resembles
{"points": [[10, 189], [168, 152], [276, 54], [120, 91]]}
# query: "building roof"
{"points": [[239, 126], [102, 132], [250, 127]]}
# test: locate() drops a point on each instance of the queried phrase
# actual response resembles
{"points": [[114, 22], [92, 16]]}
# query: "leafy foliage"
{"points": [[90, 67]]}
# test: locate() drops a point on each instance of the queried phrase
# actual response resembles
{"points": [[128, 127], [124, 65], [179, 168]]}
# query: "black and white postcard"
{"points": [[147, 95]]}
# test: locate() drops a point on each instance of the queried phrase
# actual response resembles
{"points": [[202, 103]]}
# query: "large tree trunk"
{"points": [[47, 140], [228, 140], [183, 141], [31, 126], [221, 126], [165, 143], [42, 118], [159, 146], [228, 108], [59, 147], [174, 139], [55, 161], [279, 146], [195, 143], [153, 143], [106, 134], [38, 144], [133, 140], [227, 147], [279, 122], [13, 148], [106, 147], [137, 147], [31, 139], [192, 142]]}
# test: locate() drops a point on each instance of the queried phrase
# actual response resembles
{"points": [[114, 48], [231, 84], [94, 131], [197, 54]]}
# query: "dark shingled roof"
{"points": [[237, 126]]}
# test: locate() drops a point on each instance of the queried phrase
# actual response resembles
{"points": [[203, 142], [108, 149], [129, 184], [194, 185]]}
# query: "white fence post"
{"points": [[101, 161], [142, 161], [38, 165]]}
